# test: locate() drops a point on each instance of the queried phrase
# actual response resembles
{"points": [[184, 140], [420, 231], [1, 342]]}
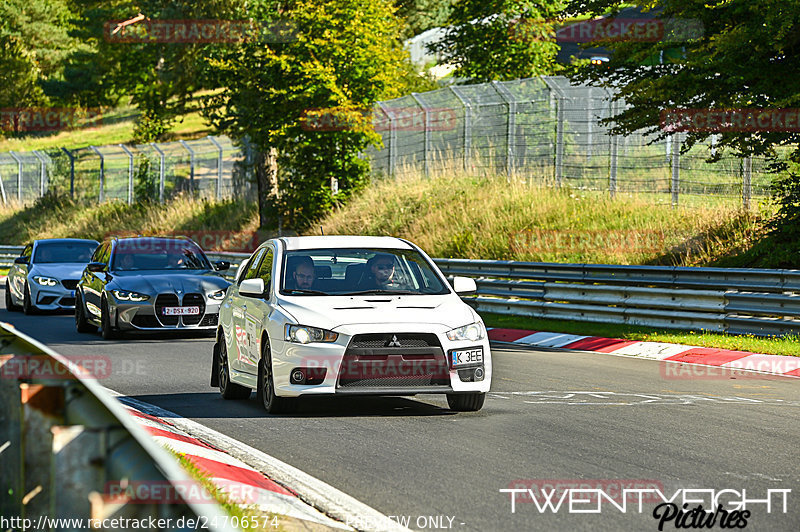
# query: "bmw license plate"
{"points": [[180, 311], [465, 357]]}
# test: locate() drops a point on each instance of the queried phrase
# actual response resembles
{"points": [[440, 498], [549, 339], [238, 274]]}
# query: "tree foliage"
{"points": [[343, 55], [501, 39]]}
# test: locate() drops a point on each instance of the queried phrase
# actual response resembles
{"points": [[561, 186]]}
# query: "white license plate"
{"points": [[180, 311], [463, 357]]}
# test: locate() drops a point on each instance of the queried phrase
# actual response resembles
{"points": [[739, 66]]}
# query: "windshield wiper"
{"points": [[378, 291], [309, 292]]}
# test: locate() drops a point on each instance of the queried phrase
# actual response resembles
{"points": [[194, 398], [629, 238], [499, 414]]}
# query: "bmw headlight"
{"points": [[472, 332], [304, 335], [124, 295], [219, 295], [45, 281]]}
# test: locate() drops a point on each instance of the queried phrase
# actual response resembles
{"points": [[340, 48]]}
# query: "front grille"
{"points": [[70, 284], [67, 301], [376, 361], [145, 321], [166, 300], [209, 320], [194, 300]]}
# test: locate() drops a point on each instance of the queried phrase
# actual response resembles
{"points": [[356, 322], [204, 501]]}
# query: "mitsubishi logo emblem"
{"points": [[395, 342]]}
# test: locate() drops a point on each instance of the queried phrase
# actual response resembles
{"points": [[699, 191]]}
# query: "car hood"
{"points": [[159, 282], [67, 270], [334, 312]]}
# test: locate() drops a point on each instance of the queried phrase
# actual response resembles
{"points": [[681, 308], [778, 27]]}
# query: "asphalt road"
{"points": [[552, 415]]}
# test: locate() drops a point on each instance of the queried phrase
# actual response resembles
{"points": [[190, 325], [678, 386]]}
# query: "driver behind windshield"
{"points": [[304, 274], [380, 273]]}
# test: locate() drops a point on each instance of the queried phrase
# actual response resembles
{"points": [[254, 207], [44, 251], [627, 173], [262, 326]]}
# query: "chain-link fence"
{"points": [[210, 167], [548, 129]]}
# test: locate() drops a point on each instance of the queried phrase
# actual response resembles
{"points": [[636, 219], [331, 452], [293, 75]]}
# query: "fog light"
{"points": [[478, 374], [297, 377]]}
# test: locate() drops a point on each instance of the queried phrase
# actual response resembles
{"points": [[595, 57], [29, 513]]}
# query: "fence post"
{"points": [[71, 172], [3, 191], [42, 171], [219, 166], [676, 168], [747, 187], [102, 173], [19, 175], [161, 170], [191, 163], [427, 142], [511, 125], [612, 166], [130, 172], [467, 125], [392, 137], [560, 99]]}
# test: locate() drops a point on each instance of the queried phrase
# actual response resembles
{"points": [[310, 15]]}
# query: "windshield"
{"points": [[57, 252], [359, 271], [152, 254]]}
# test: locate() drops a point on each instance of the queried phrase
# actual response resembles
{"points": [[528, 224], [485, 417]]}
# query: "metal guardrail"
{"points": [[8, 254], [735, 300], [69, 450]]}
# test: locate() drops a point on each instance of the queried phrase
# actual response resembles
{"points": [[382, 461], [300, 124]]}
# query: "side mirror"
{"points": [[21, 260], [464, 285], [252, 288], [222, 265], [96, 267]]}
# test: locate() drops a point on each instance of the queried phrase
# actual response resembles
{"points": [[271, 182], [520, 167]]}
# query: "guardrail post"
{"points": [[130, 172], [19, 175], [71, 172], [467, 125], [161, 171], [427, 137], [42, 171], [676, 168], [219, 166], [191, 163], [747, 187], [102, 173]]}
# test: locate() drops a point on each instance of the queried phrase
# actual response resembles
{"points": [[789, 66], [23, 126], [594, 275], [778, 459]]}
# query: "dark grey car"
{"points": [[149, 284]]}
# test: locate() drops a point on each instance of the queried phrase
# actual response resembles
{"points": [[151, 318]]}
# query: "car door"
{"points": [[239, 305], [257, 312], [18, 273], [92, 283]]}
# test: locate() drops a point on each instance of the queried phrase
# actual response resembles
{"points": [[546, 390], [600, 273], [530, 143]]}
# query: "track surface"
{"points": [[413, 457]]}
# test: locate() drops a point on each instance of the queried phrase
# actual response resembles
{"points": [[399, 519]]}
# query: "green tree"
{"points": [[343, 55], [735, 54], [501, 39], [422, 15]]}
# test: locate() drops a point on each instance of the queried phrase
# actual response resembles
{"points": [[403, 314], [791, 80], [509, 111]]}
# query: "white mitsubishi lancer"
{"points": [[351, 315]]}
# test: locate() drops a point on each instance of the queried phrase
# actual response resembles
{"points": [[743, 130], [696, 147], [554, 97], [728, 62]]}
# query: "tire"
{"points": [[266, 387], [228, 389], [466, 402], [27, 305], [106, 330], [82, 325], [10, 305]]}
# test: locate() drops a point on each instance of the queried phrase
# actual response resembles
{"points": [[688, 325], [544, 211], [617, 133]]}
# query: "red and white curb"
{"points": [[238, 469], [241, 483], [787, 366]]}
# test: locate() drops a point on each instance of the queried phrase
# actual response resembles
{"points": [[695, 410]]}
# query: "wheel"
{"points": [[27, 305], [266, 387], [466, 402], [10, 305], [106, 330], [228, 389], [82, 325]]}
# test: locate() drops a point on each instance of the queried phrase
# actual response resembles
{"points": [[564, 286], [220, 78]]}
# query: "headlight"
{"points": [[219, 295], [45, 281], [472, 332], [124, 295], [303, 335]]}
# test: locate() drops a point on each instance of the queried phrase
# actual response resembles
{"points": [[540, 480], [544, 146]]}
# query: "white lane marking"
{"points": [[549, 339], [311, 490], [626, 399]]}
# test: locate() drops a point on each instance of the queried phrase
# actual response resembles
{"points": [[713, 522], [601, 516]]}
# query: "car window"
{"points": [[63, 252], [101, 253], [252, 267], [158, 254], [27, 251], [265, 270]]}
